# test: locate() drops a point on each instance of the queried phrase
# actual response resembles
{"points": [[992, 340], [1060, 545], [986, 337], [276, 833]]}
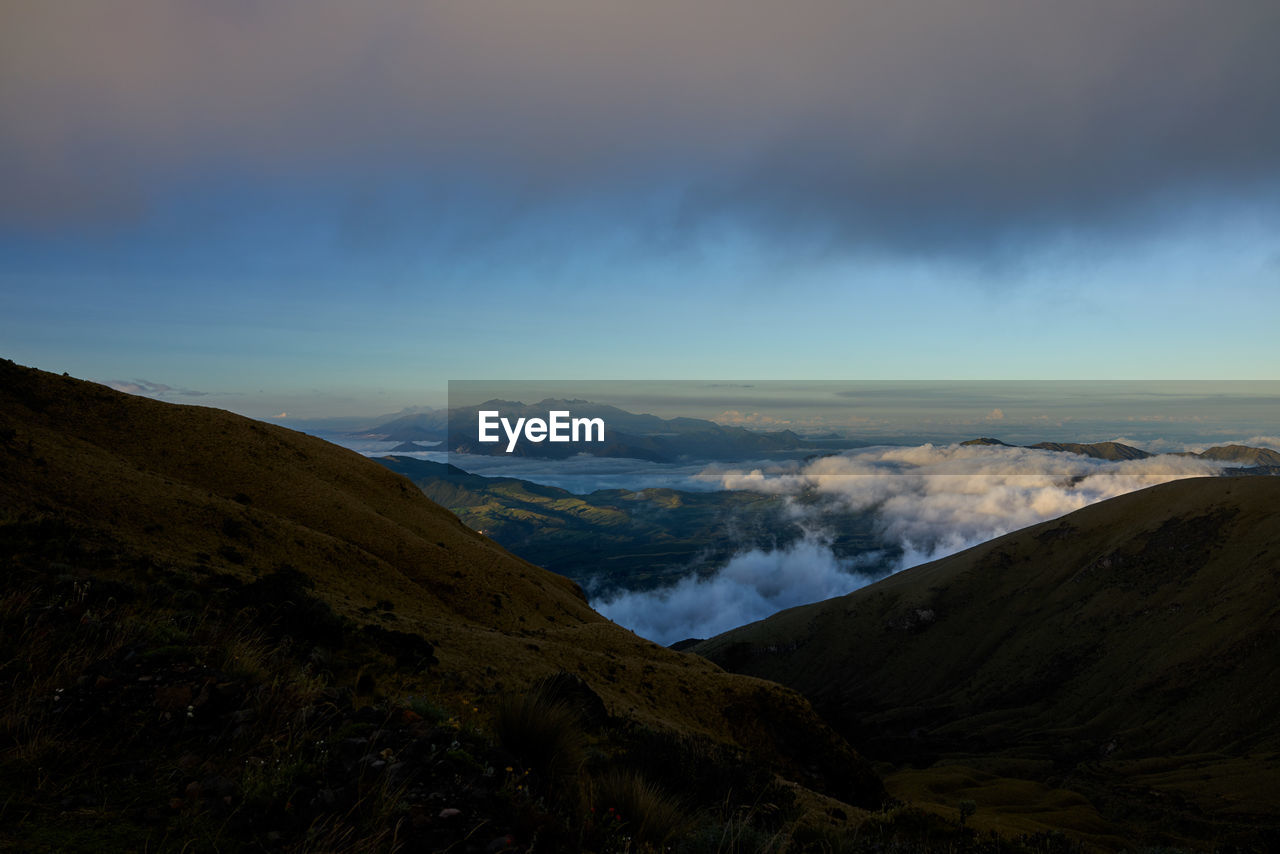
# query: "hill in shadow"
{"points": [[220, 634], [1113, 673]]}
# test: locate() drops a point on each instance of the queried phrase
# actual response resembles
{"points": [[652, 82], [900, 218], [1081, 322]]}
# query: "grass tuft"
{"points": [[544, 733], [640, 808]]}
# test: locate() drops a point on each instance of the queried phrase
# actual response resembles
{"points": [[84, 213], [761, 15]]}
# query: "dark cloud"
{"points": [[874, 123]]}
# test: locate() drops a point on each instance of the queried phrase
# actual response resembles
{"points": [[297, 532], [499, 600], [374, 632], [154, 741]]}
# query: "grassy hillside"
{"points": [[1115, 673], [219, 634]]}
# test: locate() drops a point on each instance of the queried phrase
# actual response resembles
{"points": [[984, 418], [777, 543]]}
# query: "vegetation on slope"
{"points": [[223, 635], [1114, 671]]}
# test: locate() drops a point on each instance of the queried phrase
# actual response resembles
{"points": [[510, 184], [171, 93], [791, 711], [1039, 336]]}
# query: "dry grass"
{"points": [[1140, 627], [194, 490], [210, 542], [639, 808], [543, 732]]}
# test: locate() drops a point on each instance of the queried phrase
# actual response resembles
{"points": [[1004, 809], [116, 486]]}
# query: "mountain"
{"points": [[633, 540], [1098, 450], [220, 633], [1114, 673], [429, 426], [1264, 460], [1242, 454], [987, 440], [409, 448], [626, 434]]}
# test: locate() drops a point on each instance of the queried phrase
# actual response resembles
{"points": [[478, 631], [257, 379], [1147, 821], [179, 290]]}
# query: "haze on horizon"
{"points": [[324, 209]]}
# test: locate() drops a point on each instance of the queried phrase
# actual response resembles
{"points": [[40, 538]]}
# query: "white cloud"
{"points": [[936, 500], [752, 586]]}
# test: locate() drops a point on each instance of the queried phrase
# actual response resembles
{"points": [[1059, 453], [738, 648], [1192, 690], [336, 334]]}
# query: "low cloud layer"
{"points": [[929, 501], [753, 585], [936, 500]]}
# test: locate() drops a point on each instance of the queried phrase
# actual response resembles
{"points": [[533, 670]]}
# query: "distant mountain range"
{"points": [[627, 434], [429, 426], [665, 440], [1252, 460]]}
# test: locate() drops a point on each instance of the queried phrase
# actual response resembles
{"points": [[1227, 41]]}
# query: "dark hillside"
{"points": [[1129, 651], [200, 610]]}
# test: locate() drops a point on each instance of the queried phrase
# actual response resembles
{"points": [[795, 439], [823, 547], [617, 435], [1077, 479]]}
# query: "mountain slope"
{"points": [[111, 492], [1142, 628], [1098, 450], [1264, 460], [624, 539], [1242, 454]]}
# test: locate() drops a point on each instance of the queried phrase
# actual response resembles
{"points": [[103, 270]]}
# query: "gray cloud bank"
{"points": [[929, 501], [881, 123]]}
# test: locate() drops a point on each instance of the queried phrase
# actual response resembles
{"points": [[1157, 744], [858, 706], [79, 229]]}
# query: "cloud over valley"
{"points": [[928, 501]]}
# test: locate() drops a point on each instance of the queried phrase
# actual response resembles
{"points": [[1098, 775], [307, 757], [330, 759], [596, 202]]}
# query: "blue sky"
{"points": [[329, 208]]}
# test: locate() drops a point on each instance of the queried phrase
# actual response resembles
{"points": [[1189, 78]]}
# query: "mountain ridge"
{"points": [[1261, 458]]}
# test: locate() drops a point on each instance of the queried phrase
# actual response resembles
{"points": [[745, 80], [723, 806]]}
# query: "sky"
{"points": [[325, 208]]}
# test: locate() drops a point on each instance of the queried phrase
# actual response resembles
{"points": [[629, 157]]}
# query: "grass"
{"points": [[279, 755], [190, 597], [1140, 628], [638, 808], [544, 732], [172, 728]]}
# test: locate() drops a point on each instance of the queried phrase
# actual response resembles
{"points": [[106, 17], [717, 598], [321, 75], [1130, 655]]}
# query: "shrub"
{"points": [[643, 811], [542, 732]]}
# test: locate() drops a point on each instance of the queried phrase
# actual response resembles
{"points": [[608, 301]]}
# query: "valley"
{"points": [[224, 633]]}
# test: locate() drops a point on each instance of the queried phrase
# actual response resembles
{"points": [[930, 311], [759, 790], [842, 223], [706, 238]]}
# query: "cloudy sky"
{"points": [[330, 207]]}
